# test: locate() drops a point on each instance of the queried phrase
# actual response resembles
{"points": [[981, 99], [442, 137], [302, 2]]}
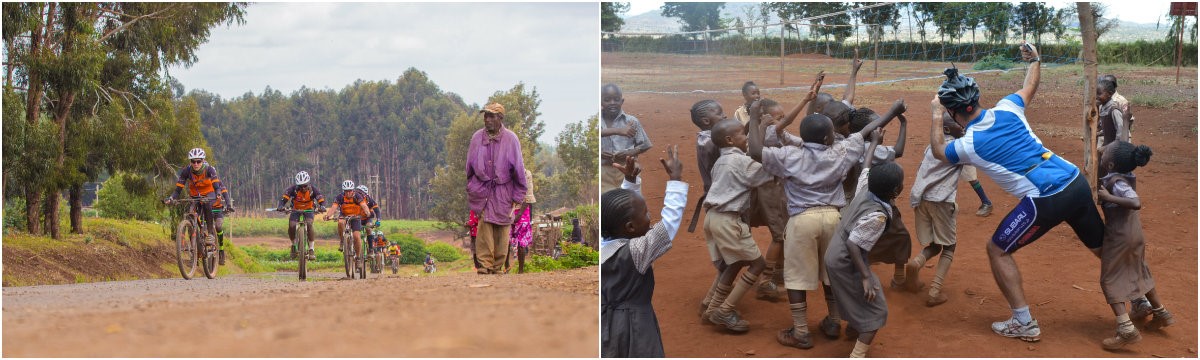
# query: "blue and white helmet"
{"points": [[302, 178], [347, 185], [364, 189]]}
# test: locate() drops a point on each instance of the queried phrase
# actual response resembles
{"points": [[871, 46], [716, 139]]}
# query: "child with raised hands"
{"points": [[629, 247], [812, 174]]}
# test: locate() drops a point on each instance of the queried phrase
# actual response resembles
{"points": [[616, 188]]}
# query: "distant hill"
{"points": [[653, 22]]}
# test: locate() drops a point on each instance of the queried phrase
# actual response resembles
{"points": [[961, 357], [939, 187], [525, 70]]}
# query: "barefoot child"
{"points": [[629, 248], [812, 176], [1124, 276], [934, 207], [860, 294], [734, 175]]}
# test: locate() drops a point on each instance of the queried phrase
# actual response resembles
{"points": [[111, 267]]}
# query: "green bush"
{"points": [[413, 249], [994, 62], [14, 214], [444, 252], [128, 196], [574, 256]]}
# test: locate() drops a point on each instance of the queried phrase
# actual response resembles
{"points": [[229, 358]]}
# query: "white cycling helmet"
{"points": [[364, 189], [302, 178], [196, 153], [347, 185]]}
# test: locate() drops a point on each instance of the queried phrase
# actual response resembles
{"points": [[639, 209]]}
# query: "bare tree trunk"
{"points": [[1087, 27], [33, 208], [51, 213], [76, 196]]}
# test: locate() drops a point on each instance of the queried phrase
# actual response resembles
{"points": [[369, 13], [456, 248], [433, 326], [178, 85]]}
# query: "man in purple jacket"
{"points": [[496, 186]]}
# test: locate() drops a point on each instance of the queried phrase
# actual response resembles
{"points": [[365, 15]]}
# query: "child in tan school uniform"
{"points": [[936, 212], [812, 174], [750, 93], [1124, 276], [734, 175], [705, 114]]}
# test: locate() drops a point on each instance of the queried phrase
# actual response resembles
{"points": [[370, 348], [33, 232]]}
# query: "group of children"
{"points": [[827, 197]]}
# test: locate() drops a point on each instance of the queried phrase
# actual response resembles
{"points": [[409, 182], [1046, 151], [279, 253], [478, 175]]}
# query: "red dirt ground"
{"points": [[1060, 276]]}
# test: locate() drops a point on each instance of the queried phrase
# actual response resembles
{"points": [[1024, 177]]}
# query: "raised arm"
{"points": [[808, 98], [1033, 75], [657, 241], [937, 142], [755, 142], [897, 109], [850, 84], [902, 138]]}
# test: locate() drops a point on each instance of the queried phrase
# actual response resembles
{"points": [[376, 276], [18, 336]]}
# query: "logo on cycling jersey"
{"points": [[1014, 223]]}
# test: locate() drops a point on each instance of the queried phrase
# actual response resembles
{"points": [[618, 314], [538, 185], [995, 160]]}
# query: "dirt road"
{"points": [[1060, 276], [455, 315]]}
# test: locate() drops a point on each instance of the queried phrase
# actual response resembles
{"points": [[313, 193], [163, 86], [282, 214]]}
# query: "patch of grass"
{"points": [[277, 226], [574, 256], [994, 62], [1153, 100]]}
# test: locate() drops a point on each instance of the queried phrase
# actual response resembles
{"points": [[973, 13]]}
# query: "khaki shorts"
{"points": [[610, 178], [936, 222], [808, 235], [967, 174], [730, 236]]}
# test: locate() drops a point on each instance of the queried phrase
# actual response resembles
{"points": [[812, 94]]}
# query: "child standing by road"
{"points": [[934, 207], [629, 247], [734, 175], [1124, 276]]}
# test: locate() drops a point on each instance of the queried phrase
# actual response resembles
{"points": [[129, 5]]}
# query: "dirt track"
{"points": [[1060, 276], [456, 315]]}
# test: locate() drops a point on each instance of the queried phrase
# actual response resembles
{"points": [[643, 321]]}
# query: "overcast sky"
{"points": [[471, 49], [1140, 11]]}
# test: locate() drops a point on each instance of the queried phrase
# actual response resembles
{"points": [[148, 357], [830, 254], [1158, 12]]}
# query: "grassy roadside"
{"points": [[108, 250], [277, 226]]}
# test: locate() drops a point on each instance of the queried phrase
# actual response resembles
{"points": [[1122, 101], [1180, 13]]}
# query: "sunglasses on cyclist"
{"points": [[197, 161]]}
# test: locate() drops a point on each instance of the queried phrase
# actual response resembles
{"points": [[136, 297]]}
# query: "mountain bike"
{"points": [[394, 261], [193, 243], [302, 244], [350, 260], [374, 254]]}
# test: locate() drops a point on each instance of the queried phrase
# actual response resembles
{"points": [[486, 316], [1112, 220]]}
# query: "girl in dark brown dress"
{"points": [[1124, 275]]}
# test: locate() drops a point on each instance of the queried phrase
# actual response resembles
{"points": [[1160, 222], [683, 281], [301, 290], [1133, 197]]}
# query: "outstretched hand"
{"points": [[671, 163], [898, 107], [630, 168], [816, 87]]}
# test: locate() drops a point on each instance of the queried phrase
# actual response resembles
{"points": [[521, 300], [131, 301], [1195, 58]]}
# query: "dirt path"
{"points": [[457, 315], [1060, 276]]}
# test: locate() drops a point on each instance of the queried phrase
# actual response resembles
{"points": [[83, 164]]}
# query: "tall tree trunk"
{"points": [[33, 99], [33, 208], [51, 213], [1087, 27], [77, 209]]}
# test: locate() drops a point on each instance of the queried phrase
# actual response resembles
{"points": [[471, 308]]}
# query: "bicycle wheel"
{"points": [[185, 248], [302, 250], [209, 259], [348, 253], [395, 266]]}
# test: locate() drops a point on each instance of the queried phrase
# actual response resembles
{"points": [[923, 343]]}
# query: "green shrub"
{"points": [[412, 248], [994, 62], [444, 252], [14, 214], [128, 196], [574, 256]]}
